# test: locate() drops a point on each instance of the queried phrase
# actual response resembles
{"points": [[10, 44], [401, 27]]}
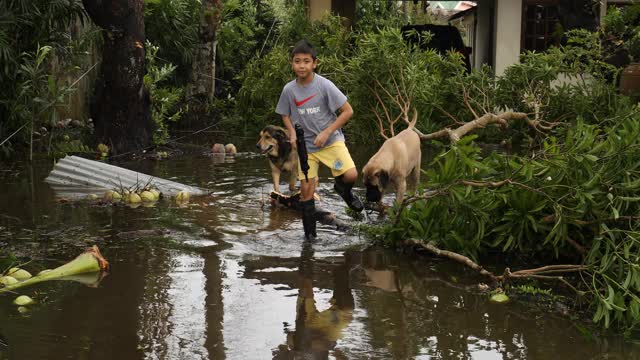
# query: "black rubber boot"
{"points": [[309, 218], [344, 190]]}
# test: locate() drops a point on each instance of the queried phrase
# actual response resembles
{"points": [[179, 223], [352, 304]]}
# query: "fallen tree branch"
{"points": [[546, 270], [537, 273], [485, 183], [479, 123], [453, 256]]}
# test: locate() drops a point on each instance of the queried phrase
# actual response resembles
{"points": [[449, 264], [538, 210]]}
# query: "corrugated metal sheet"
{"points": [[76, 177]]}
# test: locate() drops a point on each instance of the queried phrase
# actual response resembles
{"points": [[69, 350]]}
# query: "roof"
{"points": [[462, 13], [447, 5], [76, 177]]}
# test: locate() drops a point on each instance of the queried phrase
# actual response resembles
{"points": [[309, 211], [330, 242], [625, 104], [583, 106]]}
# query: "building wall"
{"points": [[484, 34], [318, 9], [508, 32]]}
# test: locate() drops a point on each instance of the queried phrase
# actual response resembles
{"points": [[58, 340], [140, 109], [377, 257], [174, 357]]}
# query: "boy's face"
{"points": [[303, 65]]}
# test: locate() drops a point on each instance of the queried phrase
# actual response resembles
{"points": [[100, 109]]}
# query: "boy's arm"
{"points": [[346, 111], [292, 132]]}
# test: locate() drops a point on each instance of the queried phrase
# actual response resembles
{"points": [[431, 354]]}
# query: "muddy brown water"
{"points": [[232, 279]]}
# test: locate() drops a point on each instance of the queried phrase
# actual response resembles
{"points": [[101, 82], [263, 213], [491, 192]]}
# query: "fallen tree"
{"points": [[569, 199]]}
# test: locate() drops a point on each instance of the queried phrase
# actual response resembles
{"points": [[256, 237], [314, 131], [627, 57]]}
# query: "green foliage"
{"points": [[165, 100], [532, 290], [173, 26], [7, 260], [33, 35], [375, 14], [294, 24], [28, 24], [247, 31], [262, 85], [382, 62], [65, 145], [39, 95], [621, 31]]}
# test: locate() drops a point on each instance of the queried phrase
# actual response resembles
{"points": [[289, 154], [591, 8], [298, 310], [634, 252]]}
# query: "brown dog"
{"points": [[274, 142], [397, 160]]}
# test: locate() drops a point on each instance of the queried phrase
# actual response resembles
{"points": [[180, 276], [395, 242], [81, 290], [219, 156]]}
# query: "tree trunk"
{"points": [[202, 83], [121, 105]]}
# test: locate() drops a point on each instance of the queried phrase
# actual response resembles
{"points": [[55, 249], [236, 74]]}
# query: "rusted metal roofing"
{"points": [[76, 177]]}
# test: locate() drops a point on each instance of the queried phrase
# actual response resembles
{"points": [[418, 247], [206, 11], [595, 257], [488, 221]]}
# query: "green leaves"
{"points": [[165, 99]]}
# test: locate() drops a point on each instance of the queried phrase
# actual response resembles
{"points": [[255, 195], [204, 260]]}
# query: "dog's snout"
{"points": [[258, 146]]}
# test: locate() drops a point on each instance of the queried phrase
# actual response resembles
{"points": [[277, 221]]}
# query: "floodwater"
{"points": [[229, 277]]}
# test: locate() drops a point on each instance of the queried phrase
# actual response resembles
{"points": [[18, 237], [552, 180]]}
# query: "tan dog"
{"points": [[274, 142], [397, 160]]}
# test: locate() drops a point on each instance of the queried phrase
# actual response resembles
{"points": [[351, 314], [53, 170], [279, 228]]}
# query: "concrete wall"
{"points": [[508, 33], [484, 34], [318, 9]]}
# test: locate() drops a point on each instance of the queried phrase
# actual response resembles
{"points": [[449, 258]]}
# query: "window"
{"points": [[541, 27]]}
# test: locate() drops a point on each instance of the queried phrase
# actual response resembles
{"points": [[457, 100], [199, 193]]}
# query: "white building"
{"points": [[498, 31]]}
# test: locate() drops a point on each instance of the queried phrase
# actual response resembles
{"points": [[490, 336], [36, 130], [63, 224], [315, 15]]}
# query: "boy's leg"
{"points": [[307, 189], [344, 184], [336, 156]]}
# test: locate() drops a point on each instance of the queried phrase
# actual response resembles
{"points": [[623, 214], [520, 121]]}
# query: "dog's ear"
{"points": [[384, 178], [280, 136]]}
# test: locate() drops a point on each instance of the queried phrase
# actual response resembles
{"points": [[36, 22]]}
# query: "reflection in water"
{"points": [[181, 309], [155, 307], [317, 332]]}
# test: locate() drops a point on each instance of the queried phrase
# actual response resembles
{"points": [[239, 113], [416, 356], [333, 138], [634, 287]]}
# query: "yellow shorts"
{"points": [[335, 156]]}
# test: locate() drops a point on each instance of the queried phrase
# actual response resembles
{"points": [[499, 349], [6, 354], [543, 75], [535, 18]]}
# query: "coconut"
{"points": [[92, 197], [499, 299], [147, 196], [112, 196], [19, 274], [182, 196], [44, 271], [134, 198], [156, 193], [8, 280], [23, 309], [103, 149], [23, 300]]}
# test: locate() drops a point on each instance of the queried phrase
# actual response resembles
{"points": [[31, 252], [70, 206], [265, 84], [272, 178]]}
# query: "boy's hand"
{"points": [[293, 142], [322, 138]]}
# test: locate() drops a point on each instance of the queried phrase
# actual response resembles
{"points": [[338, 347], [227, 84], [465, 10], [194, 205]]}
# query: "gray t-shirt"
{"points": [[313, 106]]}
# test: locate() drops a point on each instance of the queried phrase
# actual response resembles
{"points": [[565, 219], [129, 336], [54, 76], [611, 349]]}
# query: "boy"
{"points": [[312, 101]]}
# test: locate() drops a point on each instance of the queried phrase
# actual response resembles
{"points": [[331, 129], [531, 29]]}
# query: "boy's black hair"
{"points": [[303, 47]]}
